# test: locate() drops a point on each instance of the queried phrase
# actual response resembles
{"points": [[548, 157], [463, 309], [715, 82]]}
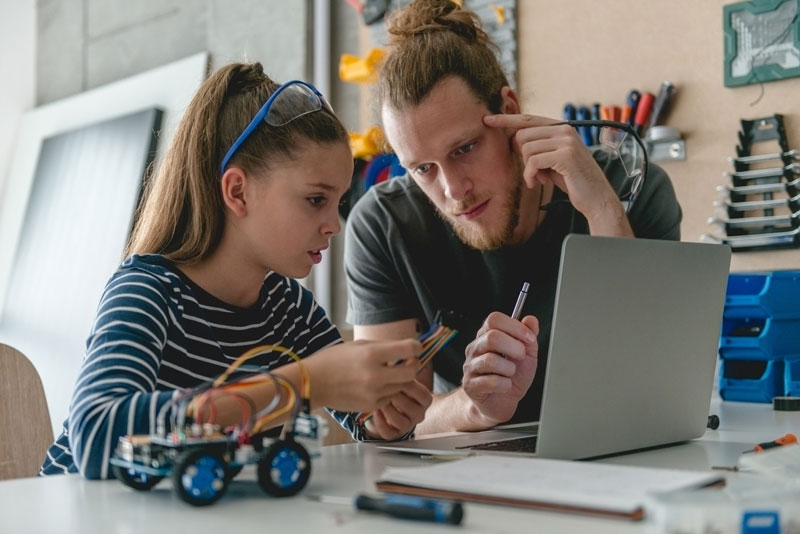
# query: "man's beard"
{"points": [[482, 238]]}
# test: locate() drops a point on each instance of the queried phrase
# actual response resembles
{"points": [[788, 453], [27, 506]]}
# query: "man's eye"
{"points": [[466, 148], [316, 201]]}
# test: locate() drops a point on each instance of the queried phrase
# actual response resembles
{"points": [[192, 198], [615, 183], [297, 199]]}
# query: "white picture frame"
{"points": [[169, 88]]}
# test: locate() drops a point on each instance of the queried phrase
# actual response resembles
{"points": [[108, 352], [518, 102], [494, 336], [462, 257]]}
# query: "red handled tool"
{"points": [[643, 112]]}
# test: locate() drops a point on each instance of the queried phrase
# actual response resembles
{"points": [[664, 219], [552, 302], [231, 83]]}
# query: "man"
{"points": [[488, 198]]}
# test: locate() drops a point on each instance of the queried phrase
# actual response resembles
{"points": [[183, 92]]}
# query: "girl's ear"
{"points": [[509, 103], [233, 184]]}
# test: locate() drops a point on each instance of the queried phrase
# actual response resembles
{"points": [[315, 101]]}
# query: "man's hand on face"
{"points": [[500, 365], [554, 153]]}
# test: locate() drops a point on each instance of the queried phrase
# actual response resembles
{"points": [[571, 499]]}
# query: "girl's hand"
{"points": [[363, 376], [401, 414]]}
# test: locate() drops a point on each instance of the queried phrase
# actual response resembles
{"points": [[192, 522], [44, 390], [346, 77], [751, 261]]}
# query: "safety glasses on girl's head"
{"points": [[290, 101], [622, 143]]}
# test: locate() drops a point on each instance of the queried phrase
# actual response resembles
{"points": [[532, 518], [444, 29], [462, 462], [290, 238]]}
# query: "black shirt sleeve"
{"points": [[373, 255]]}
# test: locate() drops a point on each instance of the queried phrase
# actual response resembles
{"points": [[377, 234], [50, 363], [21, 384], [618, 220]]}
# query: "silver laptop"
{"points": [[633, 349]]}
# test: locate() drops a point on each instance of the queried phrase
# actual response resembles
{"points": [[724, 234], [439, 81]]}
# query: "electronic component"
{"points": [[202, 457]]}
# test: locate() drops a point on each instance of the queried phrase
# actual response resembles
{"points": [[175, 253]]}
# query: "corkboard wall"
{"points": [[587, 51]]}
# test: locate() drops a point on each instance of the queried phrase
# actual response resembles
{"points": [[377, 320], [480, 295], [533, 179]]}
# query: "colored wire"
{"points": [[191, 402], [292, 404], [248, 381], [305, 379], [245, 403]]}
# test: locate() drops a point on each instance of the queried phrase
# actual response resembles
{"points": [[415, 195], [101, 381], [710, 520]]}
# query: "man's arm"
{"points": [[381, 307]]}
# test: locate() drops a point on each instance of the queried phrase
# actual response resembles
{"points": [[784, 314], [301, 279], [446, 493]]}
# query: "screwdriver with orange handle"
{"points": [[787, 439]]}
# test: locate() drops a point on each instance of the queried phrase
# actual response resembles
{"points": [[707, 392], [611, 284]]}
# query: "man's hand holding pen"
{"points": [[500, 365]]}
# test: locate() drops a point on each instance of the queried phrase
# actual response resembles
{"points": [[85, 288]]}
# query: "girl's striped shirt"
{"points": [[157, 332]]}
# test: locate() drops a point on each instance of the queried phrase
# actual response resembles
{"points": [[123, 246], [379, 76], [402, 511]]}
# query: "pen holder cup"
{"points": [[763, 295], [759, 338], [751, 381]]}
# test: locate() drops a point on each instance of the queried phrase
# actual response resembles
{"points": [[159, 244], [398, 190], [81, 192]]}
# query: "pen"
{"points": [[403, 506], [523, 294]]}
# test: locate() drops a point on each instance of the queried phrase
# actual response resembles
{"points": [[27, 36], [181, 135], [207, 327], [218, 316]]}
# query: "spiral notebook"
{"points": [[558, 485]]}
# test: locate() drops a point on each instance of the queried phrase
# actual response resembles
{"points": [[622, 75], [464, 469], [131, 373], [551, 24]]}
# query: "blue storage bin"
{"points": [[759, 338], [753, 295], [791, 384], [751, 381]]}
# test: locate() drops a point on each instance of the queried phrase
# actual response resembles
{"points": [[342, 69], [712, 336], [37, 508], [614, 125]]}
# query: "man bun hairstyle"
{"points": [[431, 40]]}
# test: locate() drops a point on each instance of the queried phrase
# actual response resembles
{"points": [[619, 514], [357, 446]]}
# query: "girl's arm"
{"points": [[346, 378], [116, 389]]}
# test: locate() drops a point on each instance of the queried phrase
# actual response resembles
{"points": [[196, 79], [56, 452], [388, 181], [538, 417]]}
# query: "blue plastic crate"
{"points": [[791, 383], [759, 338], [775, 295], [751, 381]]}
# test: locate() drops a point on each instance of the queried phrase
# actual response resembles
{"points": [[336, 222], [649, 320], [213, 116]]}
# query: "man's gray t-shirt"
{"points": [[403, 261]]}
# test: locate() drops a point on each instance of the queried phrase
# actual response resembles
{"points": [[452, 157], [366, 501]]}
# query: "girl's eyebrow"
{"points": [[321, 185]]}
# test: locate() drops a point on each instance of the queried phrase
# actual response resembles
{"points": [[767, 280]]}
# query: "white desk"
{"points": [[69, 504]]}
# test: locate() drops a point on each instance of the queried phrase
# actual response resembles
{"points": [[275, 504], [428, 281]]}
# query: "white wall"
{"points": [[18, 65], [170, 88]]}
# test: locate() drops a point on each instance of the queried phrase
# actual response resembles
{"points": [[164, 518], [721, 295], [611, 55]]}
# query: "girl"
{"points": [[245, 200]]}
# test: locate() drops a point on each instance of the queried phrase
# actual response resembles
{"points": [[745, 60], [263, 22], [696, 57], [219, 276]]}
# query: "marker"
{"points": [[523, 294], [403, 506]]}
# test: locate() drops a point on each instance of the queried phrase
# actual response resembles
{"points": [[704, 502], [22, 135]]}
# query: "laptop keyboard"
{"points": [[524, 444]]}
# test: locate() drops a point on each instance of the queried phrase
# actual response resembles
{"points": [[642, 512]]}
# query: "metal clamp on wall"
{"points": [[664, 143]]}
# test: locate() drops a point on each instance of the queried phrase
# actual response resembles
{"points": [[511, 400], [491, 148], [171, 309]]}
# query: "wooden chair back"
{"points": [[25, 430]]}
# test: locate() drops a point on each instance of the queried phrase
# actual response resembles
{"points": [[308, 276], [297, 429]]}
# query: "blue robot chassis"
{"points": [[202, 466]]}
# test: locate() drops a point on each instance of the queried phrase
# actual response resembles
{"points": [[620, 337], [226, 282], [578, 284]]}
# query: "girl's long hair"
{"points": [[181, 215]]}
